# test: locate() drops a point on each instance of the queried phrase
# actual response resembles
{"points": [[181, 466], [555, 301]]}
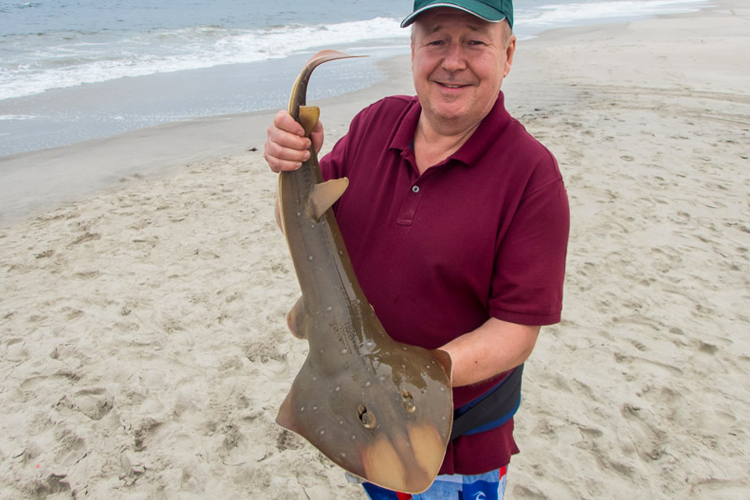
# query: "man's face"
{"points": [[458, 65]]}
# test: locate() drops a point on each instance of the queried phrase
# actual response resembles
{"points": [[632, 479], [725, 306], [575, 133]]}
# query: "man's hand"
{"points": [[286, 145]]}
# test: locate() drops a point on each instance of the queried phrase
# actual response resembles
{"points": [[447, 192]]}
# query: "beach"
{"points": [[143, 344]]}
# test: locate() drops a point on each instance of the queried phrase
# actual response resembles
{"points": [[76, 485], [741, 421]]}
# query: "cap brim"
{"points": [[482, 12]]}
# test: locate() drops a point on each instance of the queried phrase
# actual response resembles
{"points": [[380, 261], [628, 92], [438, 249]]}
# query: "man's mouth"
{"points": [[451, 85]]}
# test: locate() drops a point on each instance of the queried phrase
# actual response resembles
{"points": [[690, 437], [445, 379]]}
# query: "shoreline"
{"points": [[64, 174], [66, 116], [141, 152], [143, 346]]}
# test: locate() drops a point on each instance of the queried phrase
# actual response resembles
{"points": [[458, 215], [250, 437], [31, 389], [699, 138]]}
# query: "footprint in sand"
{"points": [[50, 485], [95, 403], [288, 441], [525, 493], [70, 447], [16, 350], [646, 438]]}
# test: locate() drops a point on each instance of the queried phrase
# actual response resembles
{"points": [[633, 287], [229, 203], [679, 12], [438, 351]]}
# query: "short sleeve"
{"points": [[527, 283]]}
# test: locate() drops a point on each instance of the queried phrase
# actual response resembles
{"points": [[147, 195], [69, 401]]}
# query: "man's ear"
{"points": [[509, 51]]}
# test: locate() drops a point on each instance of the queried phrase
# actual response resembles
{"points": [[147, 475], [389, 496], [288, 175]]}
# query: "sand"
{"points": [[143, 349]]}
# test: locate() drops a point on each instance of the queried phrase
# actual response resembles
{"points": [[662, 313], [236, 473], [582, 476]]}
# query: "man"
{"points": [[456, 220]]}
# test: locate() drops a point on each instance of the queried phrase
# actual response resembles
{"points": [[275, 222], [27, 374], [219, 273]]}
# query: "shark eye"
{"points": [[367, 418], [408, 401]]}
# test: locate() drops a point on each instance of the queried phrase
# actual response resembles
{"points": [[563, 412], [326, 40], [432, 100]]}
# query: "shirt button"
{"points": [[415, 189]]}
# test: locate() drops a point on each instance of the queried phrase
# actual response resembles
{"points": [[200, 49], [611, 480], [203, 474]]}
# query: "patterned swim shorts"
{"points": [[487, 486]]}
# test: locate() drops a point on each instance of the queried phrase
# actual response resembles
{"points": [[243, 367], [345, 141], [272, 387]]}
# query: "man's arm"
{"points": [[495, 347]]}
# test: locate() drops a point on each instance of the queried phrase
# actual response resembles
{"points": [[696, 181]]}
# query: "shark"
{"points": [[380, 409]]}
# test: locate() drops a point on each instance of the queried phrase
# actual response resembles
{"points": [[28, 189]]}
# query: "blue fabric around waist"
{"points": [[494, 423]]}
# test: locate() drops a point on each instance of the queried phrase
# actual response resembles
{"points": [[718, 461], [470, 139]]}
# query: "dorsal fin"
{"points": [[308, 118], [324, 195]]}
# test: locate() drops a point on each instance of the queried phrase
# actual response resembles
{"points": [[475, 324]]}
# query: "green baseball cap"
{"points": [[492, 11]]}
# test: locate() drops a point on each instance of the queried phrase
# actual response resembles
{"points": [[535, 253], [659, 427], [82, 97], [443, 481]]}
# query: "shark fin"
{"points": [[308, 118], [295, 319], [287, 416], [324, 195], [445, 361]]}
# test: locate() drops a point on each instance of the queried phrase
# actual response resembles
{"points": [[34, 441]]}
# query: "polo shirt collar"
{"points": [[407, 127], [474, 148]]}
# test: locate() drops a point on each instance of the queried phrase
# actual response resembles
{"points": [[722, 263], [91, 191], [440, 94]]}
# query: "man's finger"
{"points": [[280, 158], [284, 121], [287, 139]]}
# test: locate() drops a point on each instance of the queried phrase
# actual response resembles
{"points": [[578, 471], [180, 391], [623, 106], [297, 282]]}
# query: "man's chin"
{"points": [[450, 112]]}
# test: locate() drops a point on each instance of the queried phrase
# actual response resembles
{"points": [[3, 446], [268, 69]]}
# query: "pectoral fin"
{"points": [[445, 361], [324, 195], [287, 416]]}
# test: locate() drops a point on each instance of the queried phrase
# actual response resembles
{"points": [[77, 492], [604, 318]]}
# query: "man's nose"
{"points": [[455, 59]]}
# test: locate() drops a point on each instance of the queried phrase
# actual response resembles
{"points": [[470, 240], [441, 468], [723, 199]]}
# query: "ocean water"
{"points": [[72, 71]]}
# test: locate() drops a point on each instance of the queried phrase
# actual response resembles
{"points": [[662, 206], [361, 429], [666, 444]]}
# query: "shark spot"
{"points": [[408, 401], [367, 418]]}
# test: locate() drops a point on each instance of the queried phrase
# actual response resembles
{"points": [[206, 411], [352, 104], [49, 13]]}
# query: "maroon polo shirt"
{"points": [[482, 234]]}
